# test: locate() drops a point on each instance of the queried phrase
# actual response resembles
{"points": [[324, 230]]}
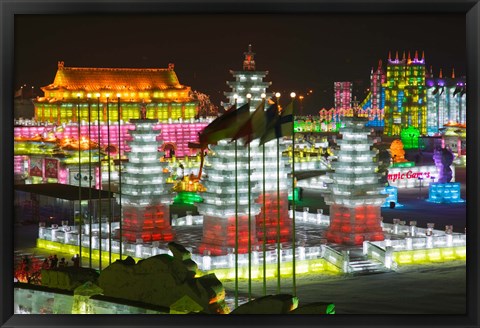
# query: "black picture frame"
{"points": [[10, 8]]}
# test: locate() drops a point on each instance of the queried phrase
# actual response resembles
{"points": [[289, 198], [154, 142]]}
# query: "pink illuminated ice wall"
{"points": [[176, 135]]}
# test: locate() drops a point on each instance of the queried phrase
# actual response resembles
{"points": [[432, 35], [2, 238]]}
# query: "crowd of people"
{"points": [[52, 262], [28, 270]]}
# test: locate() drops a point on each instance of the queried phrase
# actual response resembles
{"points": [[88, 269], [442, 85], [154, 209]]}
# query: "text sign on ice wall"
{"points": [[408, 177], [410, 174]]}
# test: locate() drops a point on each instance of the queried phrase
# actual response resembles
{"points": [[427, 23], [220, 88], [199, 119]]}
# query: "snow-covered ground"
{"points": [[426, 289]]}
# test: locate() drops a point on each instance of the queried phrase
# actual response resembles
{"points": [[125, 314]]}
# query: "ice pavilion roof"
{"points": [[115, 79]]}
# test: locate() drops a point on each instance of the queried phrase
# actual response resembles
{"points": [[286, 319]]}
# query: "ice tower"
{"points": [[446, 101], [219, 208], [343, 95], [250, 81], [145, 198], [355, 196], [405, 95], [247, 81]]}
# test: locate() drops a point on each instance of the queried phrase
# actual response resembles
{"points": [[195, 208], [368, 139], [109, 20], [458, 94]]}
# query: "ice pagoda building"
{"points": [[247, 81], [224, 204], [145, 199], [355, 196]]}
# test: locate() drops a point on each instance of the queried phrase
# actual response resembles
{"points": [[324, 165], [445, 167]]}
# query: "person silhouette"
{"points": [[76, 261], [54, 261]]}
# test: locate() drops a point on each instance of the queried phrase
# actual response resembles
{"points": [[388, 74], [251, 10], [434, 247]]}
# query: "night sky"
{"points": [[301, 52]]}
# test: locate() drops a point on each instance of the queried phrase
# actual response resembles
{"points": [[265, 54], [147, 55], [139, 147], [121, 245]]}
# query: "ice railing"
{"points": [[311, 164], [70, 236], [66, 234], [207, 262], [411, 238], [303, 216], [406, 238], [339, 259]]}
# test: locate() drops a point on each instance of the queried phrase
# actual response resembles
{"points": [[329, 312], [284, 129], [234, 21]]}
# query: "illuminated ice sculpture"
{"points": [[444, 191], [250, 81], [343, 95], [223, 203], [405, 94], [247, 81], [446, 101], [355, 196], [392, 197], [144, 195]]}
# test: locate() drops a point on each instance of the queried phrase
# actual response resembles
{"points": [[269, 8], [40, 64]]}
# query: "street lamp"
{"points": [[119, 176], [99, 208], [80, 179], [109, 184], [89, 97], [301, 103], [292, 95]]}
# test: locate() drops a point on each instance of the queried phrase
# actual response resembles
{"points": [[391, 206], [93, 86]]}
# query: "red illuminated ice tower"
{"points": [[355, 196], [223, 202], [145, 198], [250, 81]]}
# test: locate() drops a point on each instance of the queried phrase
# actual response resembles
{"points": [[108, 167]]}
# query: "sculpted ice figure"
{"points": [[443, 158]]}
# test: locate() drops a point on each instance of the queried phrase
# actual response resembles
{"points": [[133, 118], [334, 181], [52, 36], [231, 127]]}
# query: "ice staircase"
{"points": [[362, 265]]}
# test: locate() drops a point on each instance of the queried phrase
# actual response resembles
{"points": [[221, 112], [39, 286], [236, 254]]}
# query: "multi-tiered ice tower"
{"points": [[144, 195], [219, 209], [355, 196], [247, 81]]}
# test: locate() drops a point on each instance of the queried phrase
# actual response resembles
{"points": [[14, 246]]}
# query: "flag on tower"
{"points": [[280, 126], [225, 126]]}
